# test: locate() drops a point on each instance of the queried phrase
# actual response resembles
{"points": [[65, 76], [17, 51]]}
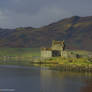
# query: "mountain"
{"points": [[76, 31]]}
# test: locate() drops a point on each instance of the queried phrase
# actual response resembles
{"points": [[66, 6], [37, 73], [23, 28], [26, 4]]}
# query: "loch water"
{"points": [[37, 79]]}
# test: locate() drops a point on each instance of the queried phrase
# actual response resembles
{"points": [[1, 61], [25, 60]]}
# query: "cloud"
{"points": [[36, 13], [45, 16], [4, 20]]}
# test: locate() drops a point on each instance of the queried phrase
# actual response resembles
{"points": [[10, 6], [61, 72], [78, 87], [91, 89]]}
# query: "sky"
{"points": [[37, 13]]}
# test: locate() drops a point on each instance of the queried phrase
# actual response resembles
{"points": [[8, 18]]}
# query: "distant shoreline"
{"points": [[31, 56], [65, 64]]}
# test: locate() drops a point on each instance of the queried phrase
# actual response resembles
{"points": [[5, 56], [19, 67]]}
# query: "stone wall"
{"points": [[68, 54], [46, 53], [64, 54], [57, 45]]}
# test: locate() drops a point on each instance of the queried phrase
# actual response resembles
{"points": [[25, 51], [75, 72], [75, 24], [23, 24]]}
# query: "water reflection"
{"points": [[22, 79], [56, 81], [87, 87], [34, 79]]}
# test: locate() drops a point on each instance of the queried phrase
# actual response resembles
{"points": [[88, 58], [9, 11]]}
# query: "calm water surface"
{"points": [[33, 79]]}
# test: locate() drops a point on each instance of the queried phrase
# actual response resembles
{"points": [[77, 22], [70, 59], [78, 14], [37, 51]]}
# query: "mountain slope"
{"points": [[76, 31]]}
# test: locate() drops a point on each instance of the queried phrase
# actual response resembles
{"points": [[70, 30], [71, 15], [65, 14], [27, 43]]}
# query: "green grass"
{"points": [[20, 52], [76, 61]]}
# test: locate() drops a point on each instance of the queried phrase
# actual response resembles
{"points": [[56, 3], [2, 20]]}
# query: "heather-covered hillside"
{"points": [[76, 31]]}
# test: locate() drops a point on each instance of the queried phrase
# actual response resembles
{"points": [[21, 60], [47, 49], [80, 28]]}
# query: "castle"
{"points": [[57, 49]]}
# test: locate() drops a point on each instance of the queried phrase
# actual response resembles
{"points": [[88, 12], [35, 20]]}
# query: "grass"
{"points": [[20, 52], [70, 64], [77, 61]]}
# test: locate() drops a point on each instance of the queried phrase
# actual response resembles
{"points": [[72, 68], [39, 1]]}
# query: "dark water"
{"points": [[33, 79]]}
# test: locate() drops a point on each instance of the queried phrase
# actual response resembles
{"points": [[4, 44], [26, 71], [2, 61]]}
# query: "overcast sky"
{"points": [[36, 13]]}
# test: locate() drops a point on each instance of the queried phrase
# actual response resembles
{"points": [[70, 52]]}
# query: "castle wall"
{"points": [[64, 54], [57, 47], [68, 54], [46, 53]]}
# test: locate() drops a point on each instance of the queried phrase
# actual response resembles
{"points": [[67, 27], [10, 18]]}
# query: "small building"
{"points": [[57, 49]]}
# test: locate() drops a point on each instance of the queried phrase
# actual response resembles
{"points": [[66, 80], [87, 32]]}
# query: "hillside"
{"points": [[76, 31]]}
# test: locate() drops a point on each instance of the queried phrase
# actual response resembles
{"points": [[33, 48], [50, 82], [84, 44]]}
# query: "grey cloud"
{"points": [[14, 13], [44, 16], [23, 6]]}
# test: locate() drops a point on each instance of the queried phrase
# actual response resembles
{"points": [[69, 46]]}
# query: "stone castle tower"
{"points": [[58, 45], [57, 49]]}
